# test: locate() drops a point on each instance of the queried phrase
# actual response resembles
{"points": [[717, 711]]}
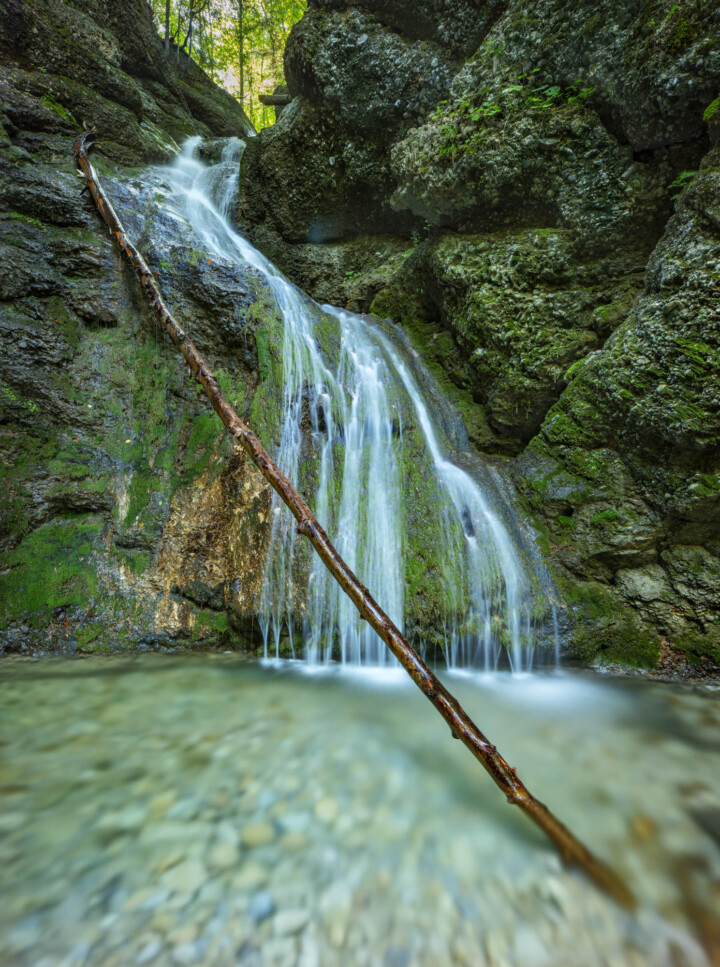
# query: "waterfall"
{"points": [[379, 461]]}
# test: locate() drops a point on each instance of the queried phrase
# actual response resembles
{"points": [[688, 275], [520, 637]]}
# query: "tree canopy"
{"points": [[239, 43]]}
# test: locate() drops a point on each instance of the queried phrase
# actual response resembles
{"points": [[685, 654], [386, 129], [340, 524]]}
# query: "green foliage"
{"points": [[208, 621], [49, 570], [49, 101], [490, 107], [605, 515], [712, 111], [8, 395], [682, 181], [263, 350], [239, 43], [28, 219]]}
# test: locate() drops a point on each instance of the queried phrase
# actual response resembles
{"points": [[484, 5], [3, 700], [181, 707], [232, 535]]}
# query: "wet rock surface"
{"points": [[168, 812], [119, 496], [531, 191], [560, 276]]}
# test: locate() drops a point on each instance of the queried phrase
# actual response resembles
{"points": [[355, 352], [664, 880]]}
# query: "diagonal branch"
{"points": [[572, 851]]}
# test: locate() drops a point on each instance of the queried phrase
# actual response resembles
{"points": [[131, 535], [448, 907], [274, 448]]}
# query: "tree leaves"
{"points": [[239, 43]]}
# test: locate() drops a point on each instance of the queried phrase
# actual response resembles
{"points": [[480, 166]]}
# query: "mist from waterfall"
{"points": [[351, 414]]}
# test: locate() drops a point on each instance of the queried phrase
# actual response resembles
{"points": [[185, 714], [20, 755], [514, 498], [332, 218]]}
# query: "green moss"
{"points": [[212, 620], [137, 561], [698, 645], [49, 101], [606, 628], [8, 395], [205, 431], [712, 111], [51, 568], [18, 216], [263, 351], [14, 513], [141, 487], [565, 521], [605, 515], [573, 371], [151, 379], [682, 33], [86, 636]]}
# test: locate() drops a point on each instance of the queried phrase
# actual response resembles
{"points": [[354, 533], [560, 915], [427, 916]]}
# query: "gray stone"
{"points": [[261, 906]]}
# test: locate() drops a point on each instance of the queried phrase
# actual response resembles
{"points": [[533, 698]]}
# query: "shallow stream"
{"points": [[207, 810]]}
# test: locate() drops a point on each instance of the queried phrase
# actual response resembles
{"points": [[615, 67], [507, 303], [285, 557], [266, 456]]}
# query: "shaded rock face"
{"points": [[102, 65], [123, 508], [358, 82], [546, 231]]}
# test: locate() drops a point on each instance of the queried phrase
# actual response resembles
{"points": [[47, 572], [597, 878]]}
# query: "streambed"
{"points": [[208, 810]]}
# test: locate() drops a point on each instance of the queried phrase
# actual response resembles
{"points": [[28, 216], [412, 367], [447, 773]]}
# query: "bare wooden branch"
{"points": [[572, 851], [275, 100]]}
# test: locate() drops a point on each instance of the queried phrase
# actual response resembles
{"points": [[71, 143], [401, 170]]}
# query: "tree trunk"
{"points": [[167, 28], [241, 48], [187, 45], [572, 851]]}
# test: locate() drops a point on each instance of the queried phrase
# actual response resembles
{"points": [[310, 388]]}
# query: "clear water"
{"points": [[354, 408], [167, 811]]}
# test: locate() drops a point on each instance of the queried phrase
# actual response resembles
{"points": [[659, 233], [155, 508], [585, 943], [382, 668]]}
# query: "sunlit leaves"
{"points": [[239, 43]]}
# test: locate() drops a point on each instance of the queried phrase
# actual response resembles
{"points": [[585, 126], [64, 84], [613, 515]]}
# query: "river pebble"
{"points": [[257, 834], [261, 906], [220, 814]]}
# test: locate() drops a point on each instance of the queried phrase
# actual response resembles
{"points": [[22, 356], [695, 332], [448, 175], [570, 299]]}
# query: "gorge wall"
{"points": [[533, 192], [123, 508]]}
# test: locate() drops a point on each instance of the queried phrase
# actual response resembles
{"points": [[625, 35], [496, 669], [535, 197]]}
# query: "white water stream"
{"points": [[353, 409]]}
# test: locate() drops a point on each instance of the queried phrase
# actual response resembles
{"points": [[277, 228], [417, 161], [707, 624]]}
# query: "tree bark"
{"points": [[572, 851], [241, 48]]}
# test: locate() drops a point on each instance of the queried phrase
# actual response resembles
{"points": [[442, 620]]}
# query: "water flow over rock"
{"points": [[356, 434]]}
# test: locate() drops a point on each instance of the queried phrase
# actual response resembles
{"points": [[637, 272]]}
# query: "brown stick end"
{"points": [[305, 527]]}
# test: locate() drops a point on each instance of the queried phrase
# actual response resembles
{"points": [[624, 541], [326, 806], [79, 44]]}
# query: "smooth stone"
{"points": [[292, 842], [9, 822], [327, 810], [279, 951], [288, 922], [168, 861], [295, 822], [125, 821], [266, 799], [257, 834], [78, 955], [186, 953], [182, 935], [160, 805], [149, 952], [185, 878], [227, 833], [530, 951], [337, 899], [309, 953], [250, 876], [223, 856], [140, 898], [261, 906]]}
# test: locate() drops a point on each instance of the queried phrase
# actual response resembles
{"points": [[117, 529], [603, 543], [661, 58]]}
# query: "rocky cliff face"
{"points": [[532, 191], [122, 509]]}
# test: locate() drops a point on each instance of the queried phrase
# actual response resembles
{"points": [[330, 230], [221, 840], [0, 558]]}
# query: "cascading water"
{"points": [[356, 415]]}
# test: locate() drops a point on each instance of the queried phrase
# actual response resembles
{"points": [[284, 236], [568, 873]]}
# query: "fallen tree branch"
{"points": [[461, 725]]}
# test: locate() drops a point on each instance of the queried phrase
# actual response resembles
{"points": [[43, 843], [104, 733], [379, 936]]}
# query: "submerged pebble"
{"points": [[344, 827]]}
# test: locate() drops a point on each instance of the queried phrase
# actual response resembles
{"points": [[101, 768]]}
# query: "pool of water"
{"points": [[207, 810]]}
